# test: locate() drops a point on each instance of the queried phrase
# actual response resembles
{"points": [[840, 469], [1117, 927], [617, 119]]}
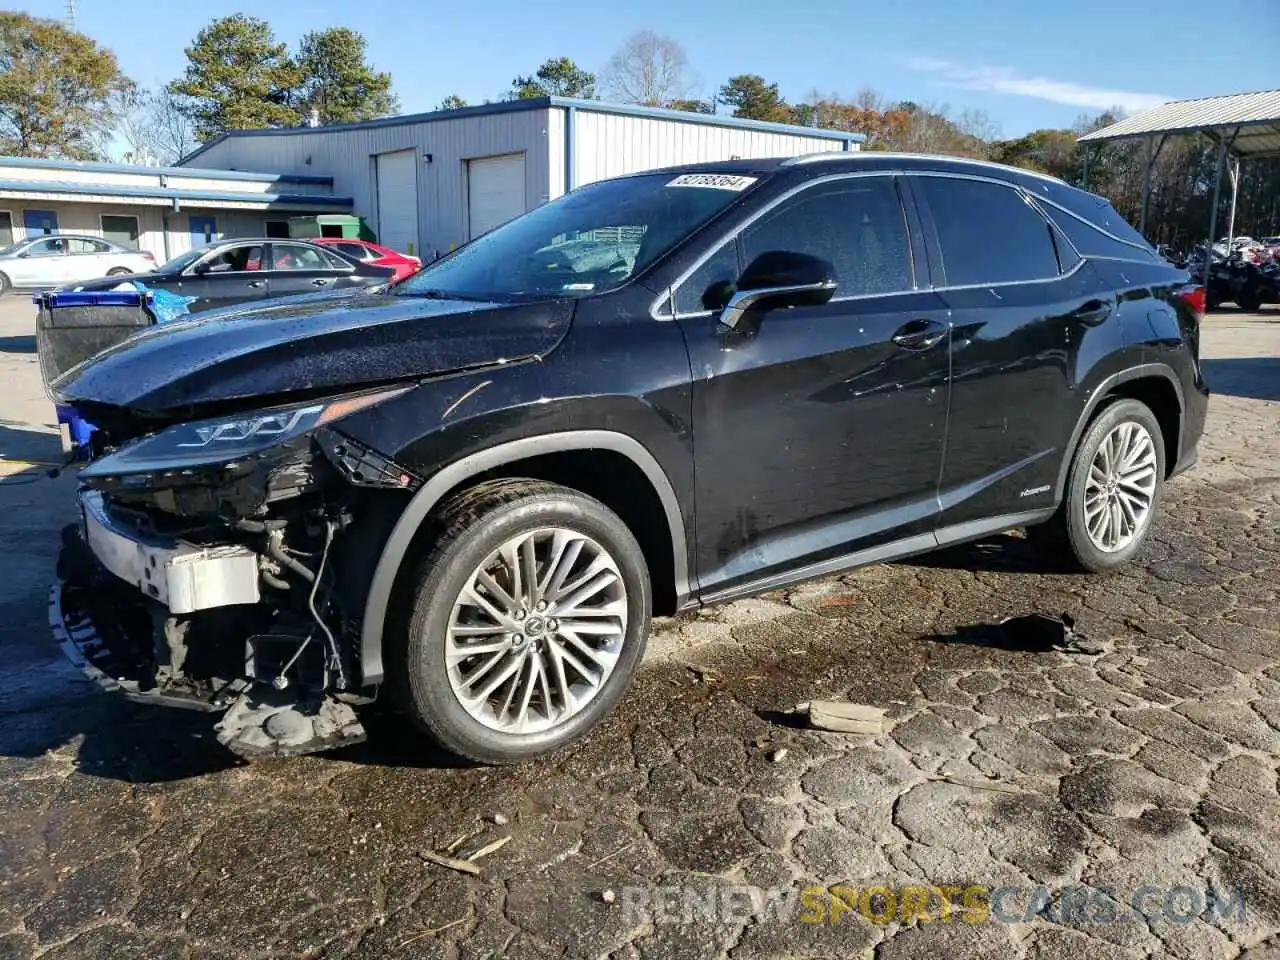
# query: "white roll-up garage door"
{"points": [[495, 191], [398, 200]]}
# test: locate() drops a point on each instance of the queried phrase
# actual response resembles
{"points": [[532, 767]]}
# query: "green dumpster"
{"points": [[331, 225]]}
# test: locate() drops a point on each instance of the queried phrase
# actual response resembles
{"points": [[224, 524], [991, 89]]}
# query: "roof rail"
{"points": [[828, 155], [819, 155]]}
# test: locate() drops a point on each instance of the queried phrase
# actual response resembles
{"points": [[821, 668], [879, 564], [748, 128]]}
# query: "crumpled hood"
{"points": [[316, 343]]}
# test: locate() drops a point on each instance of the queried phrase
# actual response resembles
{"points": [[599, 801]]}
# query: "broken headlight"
{"points": [[205, 443]]}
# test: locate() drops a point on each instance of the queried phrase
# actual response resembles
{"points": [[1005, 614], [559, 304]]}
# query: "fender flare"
{"points": [[1099, 393], [424, 501]]}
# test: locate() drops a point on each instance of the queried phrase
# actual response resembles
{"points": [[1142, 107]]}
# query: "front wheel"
{"points": [[119, 272], [1113, 491], [4, 284], [530, 615]]}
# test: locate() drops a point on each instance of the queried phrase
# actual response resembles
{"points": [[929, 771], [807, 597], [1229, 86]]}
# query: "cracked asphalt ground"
{"points": [[1146, 758]]}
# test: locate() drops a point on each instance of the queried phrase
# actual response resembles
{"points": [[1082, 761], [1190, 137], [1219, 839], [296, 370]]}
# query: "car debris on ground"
{"points": [[461, 855], [841, 717]]}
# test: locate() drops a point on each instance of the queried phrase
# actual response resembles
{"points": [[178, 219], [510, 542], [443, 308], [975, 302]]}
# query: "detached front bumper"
{"points": [[163, 621], [108, 609], [182, 576]]}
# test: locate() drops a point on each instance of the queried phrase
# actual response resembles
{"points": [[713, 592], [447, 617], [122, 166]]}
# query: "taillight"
{"points": [[149, 256], [1193, 296]]}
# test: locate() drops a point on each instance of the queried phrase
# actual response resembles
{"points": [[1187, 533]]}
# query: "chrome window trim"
{"points": [[1026, 195], [737, 230], [852, 296], [1010, 283]]}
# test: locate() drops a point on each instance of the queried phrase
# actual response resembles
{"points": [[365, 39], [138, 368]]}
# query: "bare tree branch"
{"points": [[650, 69], [154, 128]]}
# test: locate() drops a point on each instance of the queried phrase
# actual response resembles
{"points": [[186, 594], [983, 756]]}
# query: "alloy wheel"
{"points": [[1121, 487], [537, 631]]}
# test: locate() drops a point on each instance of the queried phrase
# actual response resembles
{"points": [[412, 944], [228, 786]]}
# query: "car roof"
{"points": [[844, 161], [234, 241], [69, 236]]}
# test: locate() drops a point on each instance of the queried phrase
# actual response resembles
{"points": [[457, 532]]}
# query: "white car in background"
{"points": [[55, 259]]}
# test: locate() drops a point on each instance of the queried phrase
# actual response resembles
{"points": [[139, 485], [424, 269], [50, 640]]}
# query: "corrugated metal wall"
{"points": [[608, 145], [347, 156]]}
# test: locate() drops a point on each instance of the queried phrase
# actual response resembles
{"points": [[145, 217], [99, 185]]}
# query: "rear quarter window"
{"points": [[1094, 226], [355, 251], [1093, 242]]}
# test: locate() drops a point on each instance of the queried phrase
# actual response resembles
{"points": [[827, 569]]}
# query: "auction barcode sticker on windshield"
{"points": [[716, 181]]}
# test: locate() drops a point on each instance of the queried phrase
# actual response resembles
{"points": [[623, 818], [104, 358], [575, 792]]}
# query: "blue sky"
{"points": [[1029, 64]]}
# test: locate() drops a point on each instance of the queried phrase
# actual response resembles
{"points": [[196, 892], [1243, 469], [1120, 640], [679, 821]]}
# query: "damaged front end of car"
{"points": [[221, 564]]}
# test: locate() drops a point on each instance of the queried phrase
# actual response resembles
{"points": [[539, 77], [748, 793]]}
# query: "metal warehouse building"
{"points": [[429, 182], [161, 210]]}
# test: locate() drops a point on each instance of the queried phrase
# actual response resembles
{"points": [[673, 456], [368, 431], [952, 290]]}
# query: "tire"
{"points": [[1070, 537], [119, 272], [518, 720], [4, 285], [1248, 299]]}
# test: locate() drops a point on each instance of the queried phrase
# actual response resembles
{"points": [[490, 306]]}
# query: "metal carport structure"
{"points": [[1244, 126]]}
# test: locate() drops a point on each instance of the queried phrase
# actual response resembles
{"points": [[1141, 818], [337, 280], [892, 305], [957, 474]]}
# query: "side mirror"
{"points": [[779, 278], [201, 268]]}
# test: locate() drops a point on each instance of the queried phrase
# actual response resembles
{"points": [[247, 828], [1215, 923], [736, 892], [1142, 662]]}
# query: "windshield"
{"points": [[184, 260], [12, 248], [588, 241]]}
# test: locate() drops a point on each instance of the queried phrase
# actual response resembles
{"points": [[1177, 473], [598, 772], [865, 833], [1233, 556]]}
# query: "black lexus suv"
{"points": [[468, 493]]}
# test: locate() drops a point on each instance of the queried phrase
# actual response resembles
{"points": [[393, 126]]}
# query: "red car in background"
{"points": [[373, 254]]}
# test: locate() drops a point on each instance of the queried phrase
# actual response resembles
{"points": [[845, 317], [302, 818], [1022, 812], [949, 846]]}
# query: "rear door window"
{"points": [[987, 232], [294, 256]]}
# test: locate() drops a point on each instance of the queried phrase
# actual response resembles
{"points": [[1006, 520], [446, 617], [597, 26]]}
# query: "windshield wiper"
{"points": [[433, 293]]}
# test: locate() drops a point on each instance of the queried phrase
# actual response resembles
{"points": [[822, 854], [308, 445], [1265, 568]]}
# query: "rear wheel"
{"points": [[1113, 491], [4, 284], [530, 614], [1249, 299]]}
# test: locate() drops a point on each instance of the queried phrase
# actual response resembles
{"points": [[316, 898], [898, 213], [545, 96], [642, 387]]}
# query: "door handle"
{"points": [[319, 282], [1093, 312], [257, 283], [920, 334]]}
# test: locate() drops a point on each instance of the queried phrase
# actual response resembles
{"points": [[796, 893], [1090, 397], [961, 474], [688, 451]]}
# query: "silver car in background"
{"points": [[58, 258]]}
